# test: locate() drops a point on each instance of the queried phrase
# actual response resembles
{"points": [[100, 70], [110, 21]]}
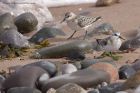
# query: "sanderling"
{"points": [[111, 43], [78, 22]]}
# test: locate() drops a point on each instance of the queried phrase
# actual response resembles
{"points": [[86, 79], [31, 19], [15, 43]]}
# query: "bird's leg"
{"points": [[85, 35], [72, 35]]}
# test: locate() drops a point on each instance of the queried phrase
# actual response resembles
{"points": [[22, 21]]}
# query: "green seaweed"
{"points": [[110, 54]]}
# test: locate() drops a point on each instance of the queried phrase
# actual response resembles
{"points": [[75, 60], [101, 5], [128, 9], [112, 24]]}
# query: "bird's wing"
{"points": [[85, 21], [105, 41]]}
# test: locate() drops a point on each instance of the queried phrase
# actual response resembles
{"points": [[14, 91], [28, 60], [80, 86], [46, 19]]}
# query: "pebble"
{"points": [[68, 68]]}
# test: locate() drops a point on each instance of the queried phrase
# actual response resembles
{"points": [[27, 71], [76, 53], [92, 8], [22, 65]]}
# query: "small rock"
{"points": [[46, 65], [71, 88], [78, 65], [126, 72], [23, 90], [26, 22], [68, 68], [51, 90], [43, 78], [104, 84], [106, 2], [45, 33]]}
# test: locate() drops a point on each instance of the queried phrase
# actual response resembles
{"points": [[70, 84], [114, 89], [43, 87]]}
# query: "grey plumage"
{"points": [[85, 21]]}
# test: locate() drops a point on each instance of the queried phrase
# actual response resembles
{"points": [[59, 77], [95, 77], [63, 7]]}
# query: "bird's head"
{"points": [[69, 16], [118, 34]]}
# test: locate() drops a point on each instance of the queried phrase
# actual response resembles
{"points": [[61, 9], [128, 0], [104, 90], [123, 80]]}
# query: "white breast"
{"points": [[73, 25], [114, 45]]}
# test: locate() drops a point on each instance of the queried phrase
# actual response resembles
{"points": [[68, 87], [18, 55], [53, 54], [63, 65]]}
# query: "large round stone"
{"points": [[24, 77], [26, 22]]}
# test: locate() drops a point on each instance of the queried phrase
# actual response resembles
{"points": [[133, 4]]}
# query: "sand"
{"points": [[123, 16]]}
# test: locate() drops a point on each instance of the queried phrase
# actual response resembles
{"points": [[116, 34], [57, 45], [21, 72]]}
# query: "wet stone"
{"points": [[126, 72], [77, 65], [68, 68], [26, 22]]}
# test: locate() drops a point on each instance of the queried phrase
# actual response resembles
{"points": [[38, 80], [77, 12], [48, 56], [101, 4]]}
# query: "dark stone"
{"points": [[68, 68], [63, 50], [23, 90], [25, 77], [85, 78], [46, 65], [126, 72], [45, 33], [26, 22]]}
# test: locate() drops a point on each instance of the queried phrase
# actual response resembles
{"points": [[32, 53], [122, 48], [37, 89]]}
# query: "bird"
{"points": [[79, 22], [111, 43]]}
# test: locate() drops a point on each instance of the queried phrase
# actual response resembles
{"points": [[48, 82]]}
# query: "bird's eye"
{"points": [[115, 34]]}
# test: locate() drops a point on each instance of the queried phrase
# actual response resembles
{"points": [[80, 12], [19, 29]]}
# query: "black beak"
{"points": [[121, 38], [63, 20]]}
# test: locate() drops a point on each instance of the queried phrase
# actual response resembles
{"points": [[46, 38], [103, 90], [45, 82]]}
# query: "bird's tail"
{"points": [[97, 18]]}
